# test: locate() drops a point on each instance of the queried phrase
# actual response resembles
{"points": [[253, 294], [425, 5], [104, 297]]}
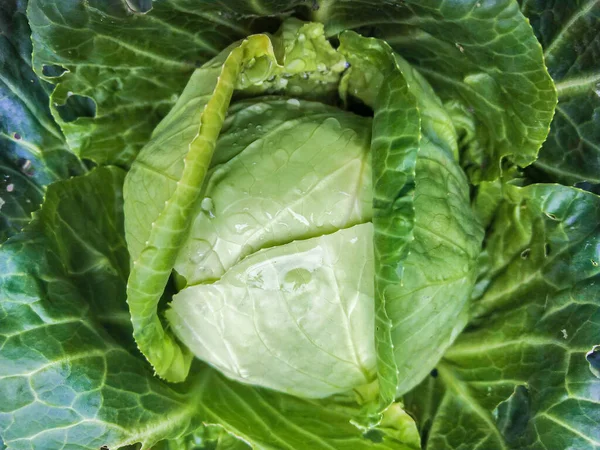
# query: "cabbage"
{"points": [[283, 224]]}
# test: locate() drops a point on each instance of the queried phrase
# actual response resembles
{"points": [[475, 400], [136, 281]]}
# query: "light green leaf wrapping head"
{"points": [[376, 79], [152, 267], [426, 236]]}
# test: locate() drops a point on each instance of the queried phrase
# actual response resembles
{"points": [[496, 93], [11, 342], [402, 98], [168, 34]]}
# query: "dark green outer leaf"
{"points": [[133, 66], [32, 149], [570, 34], [63, 379], [481, 51], [518, 377]]}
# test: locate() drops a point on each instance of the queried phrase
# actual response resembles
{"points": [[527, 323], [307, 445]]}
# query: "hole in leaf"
{"points": [[590, 187], [551, 216], [374, 436], [17, 136], [53, 70], [593, 357], [525, 253], [434, 373], [368, 31], [139, 6], [77, 106], [547, 249]]}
